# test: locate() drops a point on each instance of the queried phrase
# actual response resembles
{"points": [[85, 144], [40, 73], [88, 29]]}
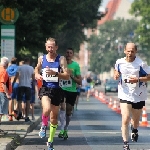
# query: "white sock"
{"points": [[62, 117]]}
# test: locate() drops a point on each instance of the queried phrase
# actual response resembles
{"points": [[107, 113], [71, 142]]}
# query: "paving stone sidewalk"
{"points": [[17, 131]]}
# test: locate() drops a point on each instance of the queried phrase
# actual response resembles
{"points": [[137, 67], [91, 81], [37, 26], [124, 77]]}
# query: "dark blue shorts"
{"points": [[32, 100], [14, 91]]}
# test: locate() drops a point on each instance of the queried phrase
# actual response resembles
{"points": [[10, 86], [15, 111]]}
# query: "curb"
{"points": [[12, 140]]}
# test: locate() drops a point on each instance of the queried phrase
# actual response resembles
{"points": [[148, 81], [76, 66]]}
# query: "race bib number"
{"points": [[49, 78], [65, 83], [126, 83]]}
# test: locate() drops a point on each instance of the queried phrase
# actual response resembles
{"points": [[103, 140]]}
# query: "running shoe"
{"points": [[65, 135], [126, 146], [61, 134], [134, 136], [27, 119], [50, 145], [42, 132], [17, 115]]}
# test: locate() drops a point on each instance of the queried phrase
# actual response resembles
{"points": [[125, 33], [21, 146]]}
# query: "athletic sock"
{"points": [[44, 120], [52, 132], [62, 116]]}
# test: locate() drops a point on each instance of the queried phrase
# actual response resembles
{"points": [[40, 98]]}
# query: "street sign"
{"points": [[8, 41], [8, 15]]}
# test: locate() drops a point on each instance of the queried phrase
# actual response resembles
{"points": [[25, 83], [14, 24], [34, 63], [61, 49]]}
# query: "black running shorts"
{"points": [[138, 105], [55, 94], [70, 97], [24, 91]]}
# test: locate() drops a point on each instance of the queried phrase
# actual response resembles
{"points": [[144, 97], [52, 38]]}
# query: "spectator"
{"points": [[11, 70], [5, 88], [25, 72]]}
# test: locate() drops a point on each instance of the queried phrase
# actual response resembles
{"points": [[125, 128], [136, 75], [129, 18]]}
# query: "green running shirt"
{"points": [[70, 85]]}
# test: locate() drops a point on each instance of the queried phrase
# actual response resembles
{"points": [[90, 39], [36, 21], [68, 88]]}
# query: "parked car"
{"points": [[111, 86]]}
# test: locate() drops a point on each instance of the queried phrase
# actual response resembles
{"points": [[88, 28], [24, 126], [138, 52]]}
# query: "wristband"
{"points": [[139, 80]]}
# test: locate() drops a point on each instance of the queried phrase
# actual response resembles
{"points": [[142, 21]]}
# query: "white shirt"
{"points": [[132, 92], [25, 74]]}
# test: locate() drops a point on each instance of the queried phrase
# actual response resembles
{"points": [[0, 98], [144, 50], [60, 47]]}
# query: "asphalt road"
{"points": [[93, 127]]}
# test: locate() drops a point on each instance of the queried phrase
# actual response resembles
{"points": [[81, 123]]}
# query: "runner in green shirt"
{"points": [[70, 93]]}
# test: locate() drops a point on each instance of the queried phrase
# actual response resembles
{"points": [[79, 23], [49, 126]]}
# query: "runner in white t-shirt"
{"points": [[132, 91]]}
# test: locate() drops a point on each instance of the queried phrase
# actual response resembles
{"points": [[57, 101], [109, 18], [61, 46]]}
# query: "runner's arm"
{"points": [[38, 66], [77, 78], [116, 71], [63, 63], [144, 79]]}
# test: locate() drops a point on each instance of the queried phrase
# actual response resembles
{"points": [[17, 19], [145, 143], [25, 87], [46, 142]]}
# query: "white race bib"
{"points": [[65, 83], [126, 83], [49, 78]]}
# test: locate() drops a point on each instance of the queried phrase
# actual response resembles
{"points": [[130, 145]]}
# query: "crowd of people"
{"points": [[17, 89], [60, 88]]}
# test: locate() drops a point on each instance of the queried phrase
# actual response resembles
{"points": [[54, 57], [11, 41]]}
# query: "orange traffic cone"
{"points": [[100, 96], [115, 105], [144, 122], [110, 103]]}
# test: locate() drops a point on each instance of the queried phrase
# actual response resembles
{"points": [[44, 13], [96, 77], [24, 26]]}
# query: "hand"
{"points": [[50, 71], [8, 96], [133, 79], [70, 72], [38, 77]]}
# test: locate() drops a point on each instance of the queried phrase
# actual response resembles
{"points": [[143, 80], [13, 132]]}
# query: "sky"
{"points": [[104, 3]]}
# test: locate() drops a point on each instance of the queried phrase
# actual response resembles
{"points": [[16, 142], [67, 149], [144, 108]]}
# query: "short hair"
{"points": [[53, 40], [27, 59], [69, 48], [14, 60], [4, 61]]}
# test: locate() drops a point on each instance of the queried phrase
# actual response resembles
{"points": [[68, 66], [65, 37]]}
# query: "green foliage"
{"points": [[104, 47], [141, 9], [9, 3], [61, 19]]}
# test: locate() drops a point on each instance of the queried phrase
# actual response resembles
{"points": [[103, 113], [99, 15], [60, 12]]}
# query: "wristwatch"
{"points": [[56, 74]]}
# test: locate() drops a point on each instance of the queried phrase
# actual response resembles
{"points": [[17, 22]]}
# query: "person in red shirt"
{"points": [[5, 88]]}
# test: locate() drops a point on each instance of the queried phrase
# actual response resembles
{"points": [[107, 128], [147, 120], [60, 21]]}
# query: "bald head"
{"points": [[130, 51], [131, 46]]}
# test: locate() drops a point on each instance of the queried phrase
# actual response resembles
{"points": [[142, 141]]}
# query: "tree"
{"points": [[109, 44], [141, 9], [63, 20]]}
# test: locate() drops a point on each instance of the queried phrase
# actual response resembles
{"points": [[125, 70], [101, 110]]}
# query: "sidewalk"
{"points": [[17, 131]]}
